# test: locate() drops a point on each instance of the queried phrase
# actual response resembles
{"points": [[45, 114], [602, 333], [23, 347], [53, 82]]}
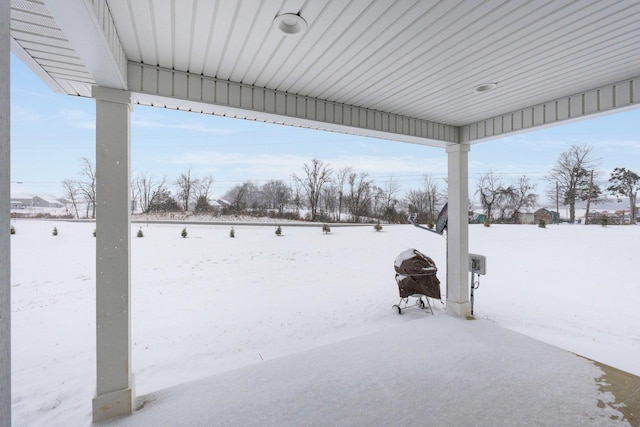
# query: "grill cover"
{"points": [[416, 274]]}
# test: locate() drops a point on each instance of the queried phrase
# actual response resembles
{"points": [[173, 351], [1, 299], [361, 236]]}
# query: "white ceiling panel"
{"points": [[417, 59]]}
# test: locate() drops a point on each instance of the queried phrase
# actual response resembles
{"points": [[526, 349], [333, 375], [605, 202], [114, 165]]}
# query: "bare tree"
{"points": [[360, 195], [329, 200], [625, 183], [203, 188], [341, 177], [242, 196], [572, 175], [378, 203], [387, 195], [276, 195], [71, 193], [433, 196], [297, 195], [87, 185], [519, 196], [163, 201], [489, 188], [417, 203], [148, 190], [187, 186], [202, 195], [317, 175]]}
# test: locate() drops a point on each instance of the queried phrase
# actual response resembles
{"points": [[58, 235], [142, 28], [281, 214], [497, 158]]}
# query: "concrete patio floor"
{"points": [[435, 370]]}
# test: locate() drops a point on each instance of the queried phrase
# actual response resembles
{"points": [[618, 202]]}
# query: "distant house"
{"points": [[223, 203], [46, 201], [476, 218], [549, 217], [17, 204], [25, 199], [526, 218]]}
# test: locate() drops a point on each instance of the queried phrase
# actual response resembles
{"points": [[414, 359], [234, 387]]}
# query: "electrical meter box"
{"points": [[477, 264]]}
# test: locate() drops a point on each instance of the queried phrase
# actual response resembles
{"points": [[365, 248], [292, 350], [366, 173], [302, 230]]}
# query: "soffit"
{"points": [[419, 59]]}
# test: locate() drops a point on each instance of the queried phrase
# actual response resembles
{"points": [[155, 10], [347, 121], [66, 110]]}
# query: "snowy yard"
{"points": [[208, 303]]}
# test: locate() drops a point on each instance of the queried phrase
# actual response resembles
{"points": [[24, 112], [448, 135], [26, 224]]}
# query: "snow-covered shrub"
{"points": [[278, 231], [141, 234], [55, 231], [378, 226], [542, 224], [325, 228], [232, 233], [13, 230], [184, 233]]}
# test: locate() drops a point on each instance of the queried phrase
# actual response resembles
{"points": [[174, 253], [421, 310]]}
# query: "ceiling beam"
{"points": [[612, 98], [92, 33], [167, 88]]}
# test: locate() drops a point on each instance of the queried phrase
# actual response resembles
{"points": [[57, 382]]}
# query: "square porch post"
{"points": [[5, 221], [458, 231], [114, 389]]}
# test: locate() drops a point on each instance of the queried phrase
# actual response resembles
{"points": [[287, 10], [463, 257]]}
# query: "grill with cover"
{"points": [[416, 278]]}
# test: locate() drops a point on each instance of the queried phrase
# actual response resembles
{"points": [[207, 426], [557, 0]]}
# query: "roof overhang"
{"points": [[397, 70]]}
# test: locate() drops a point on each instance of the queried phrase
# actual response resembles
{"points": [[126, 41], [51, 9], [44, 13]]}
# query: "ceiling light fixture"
{"points": [[485, 87], [290, 23]]}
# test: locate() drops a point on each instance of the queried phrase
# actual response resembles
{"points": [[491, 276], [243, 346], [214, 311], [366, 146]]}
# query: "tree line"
{"points": [[574, 178], [320, 193], [325, 194], [345, 195]]}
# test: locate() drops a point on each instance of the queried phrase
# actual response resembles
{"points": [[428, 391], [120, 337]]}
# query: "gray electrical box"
{"points": [[477, 264]]}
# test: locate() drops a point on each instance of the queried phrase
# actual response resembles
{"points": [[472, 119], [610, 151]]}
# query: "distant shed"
{"points": [[549, 217]]}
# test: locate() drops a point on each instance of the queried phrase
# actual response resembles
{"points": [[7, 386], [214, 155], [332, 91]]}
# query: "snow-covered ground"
{"points": [[208, 303]]}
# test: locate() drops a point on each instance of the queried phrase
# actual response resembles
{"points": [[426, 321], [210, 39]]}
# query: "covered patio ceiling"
{"points": [[406, 70]]}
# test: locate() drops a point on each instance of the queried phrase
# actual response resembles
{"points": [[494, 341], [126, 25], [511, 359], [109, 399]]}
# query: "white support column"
{"points": [[5, 222], [458, 231], [114, 391]]}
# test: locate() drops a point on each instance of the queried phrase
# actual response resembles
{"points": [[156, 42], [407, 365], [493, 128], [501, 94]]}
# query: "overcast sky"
{"points": [[51, 133]]}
